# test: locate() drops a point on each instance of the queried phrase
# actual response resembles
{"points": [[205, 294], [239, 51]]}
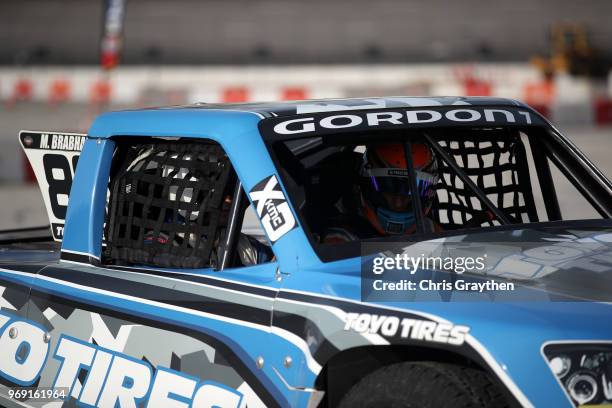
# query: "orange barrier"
{"points": [[294, 94], [59, 91], [235, 95], [539, 93], [477, 87], [100, 92], [23, 90], [540, 96]]}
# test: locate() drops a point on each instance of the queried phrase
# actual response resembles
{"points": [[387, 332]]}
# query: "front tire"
{"points": [[425, 385]]}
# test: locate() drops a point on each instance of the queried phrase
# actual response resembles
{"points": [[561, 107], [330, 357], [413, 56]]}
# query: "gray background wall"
{"points": [[262, 31]]}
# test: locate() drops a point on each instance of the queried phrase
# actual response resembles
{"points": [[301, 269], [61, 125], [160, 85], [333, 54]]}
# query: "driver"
{"points": [[386, 201]]}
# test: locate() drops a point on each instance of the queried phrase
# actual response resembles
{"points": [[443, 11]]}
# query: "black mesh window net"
{"points": [[496, 162], [165, 204]]}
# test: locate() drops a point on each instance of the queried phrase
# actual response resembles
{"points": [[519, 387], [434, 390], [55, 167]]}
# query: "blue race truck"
{"points": [[250, 255]]}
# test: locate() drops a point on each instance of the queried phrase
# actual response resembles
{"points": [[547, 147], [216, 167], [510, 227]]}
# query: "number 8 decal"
{"points": [[59, 183]]}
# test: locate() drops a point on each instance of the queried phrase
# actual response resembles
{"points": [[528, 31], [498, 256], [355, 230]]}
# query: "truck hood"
{"points": [[563, 276], [549, 264]]}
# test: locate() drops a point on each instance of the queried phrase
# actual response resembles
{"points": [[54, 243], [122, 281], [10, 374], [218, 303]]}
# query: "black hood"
{"points": [[568, 261]]}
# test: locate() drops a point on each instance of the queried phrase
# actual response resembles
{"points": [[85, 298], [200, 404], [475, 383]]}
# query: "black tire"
{"points": [[425, 385]]}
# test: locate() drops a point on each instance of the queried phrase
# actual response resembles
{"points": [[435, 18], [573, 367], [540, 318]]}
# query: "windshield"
{"points": [[390, 185]]}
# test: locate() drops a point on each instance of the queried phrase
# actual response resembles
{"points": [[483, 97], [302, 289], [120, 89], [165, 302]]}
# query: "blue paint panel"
{"points": [[85, 215], [260, 341]]}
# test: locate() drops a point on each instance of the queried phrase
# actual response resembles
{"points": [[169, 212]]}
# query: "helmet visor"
{"points": [[396, 181]]}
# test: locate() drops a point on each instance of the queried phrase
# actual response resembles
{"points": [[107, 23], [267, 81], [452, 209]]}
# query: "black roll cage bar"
{"points": [[416, 203], [583, 175], [542, 150], [229, 239], [570, 161]]}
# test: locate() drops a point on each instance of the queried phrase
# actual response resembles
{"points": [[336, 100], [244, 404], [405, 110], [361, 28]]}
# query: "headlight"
{"points": [[584, 370]]}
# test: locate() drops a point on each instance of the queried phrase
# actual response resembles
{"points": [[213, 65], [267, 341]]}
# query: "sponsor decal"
{"points": [[111, 378], [272, 208], [427, 117], [54, 157], [376, 103], [70, 142], [398, 172], [414, 329], [23, 350]]}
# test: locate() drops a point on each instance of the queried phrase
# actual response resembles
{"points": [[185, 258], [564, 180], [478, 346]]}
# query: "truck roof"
{"points": [[191, 120], [289, 108]]}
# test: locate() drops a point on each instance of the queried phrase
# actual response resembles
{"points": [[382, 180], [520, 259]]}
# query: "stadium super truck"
{"points": [[278, 255]]}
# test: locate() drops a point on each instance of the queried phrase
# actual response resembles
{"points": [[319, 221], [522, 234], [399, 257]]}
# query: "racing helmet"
{"points": [[386, 189]]}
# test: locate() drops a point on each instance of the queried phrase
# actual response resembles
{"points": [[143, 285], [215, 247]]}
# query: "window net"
{"points": [[165, 204], [496, 162]]}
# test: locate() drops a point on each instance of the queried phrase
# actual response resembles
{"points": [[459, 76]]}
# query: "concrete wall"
{"points": [[314, 31]]}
